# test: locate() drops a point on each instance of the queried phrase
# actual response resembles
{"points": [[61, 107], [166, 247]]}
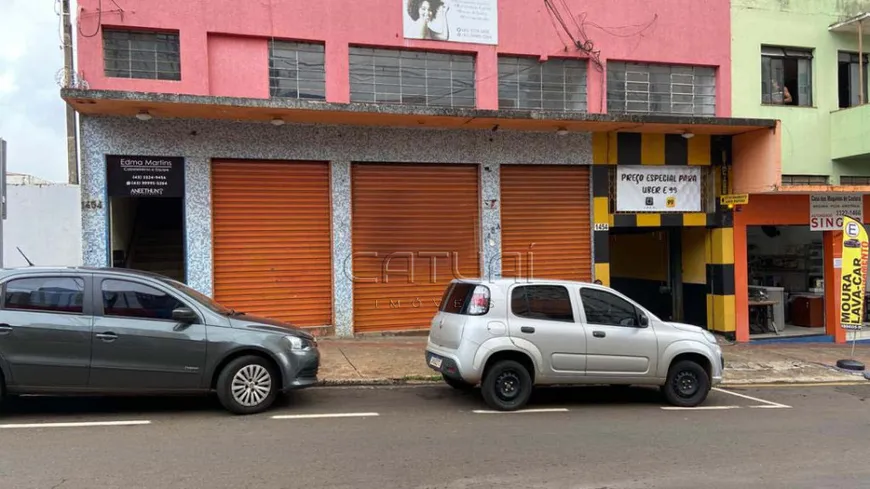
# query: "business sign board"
{"points": [[658, 189], [468, 21], [853, 274], [145, 176], [827, 210]]}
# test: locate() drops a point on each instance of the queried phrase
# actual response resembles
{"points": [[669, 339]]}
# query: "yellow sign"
{"points": [[853, 274], [670, 201], [734, 199]]}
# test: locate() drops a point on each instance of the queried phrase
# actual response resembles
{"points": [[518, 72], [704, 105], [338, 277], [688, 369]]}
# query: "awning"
{"points": [[161, 105], [850, 25]]}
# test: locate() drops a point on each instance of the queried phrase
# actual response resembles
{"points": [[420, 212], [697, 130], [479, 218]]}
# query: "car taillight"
{"points": [[479, 301]]}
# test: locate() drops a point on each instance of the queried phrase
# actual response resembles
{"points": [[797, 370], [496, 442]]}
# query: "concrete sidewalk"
{"points": [[401, 360]]}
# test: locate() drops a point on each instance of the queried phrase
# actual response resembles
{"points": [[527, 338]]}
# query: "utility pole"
{"points": [[69, 76]]}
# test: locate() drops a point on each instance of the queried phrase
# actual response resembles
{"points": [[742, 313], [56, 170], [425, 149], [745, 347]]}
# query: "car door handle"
{"points": [[599, 334], [107, 337], [527, 329], [5, 329]]}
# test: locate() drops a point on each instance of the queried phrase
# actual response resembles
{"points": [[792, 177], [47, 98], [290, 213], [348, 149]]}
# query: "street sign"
{"points": [[734, 199]]}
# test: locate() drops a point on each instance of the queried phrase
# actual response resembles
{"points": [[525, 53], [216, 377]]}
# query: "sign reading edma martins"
{"points": [[469, 21], [145, 176]]}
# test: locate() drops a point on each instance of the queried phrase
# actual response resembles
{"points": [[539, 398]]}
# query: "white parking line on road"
{"points": [[698, 408], [85, 424], [324, 415], [523, 411], [769, 404]]}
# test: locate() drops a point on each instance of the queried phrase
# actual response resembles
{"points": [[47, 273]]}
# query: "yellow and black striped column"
{"points": [[601, 220], [721, 306]]}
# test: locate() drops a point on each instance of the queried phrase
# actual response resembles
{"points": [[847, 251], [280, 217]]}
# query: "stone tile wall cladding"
{"points": [[198, 141]]}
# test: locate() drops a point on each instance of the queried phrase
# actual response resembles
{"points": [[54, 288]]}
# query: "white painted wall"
{"points": [[45, 221]]}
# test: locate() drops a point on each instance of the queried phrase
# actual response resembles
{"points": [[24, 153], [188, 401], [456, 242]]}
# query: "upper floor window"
{"points": [[854, 180], [556, 84], [848, 79], [804, 179], [786, 76], [146, 55], [297, 70], [411, 77], [661, 89]]}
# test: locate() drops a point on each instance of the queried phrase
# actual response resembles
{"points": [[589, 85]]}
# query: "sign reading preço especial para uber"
{"points": [[145, 176]]}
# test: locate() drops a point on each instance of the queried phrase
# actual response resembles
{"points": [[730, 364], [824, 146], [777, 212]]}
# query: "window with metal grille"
{"points": [[660, 89], [297, 70], [804, 179], [786, 76], [390, 76], [845, 180], [556, 84], [146, 55]]}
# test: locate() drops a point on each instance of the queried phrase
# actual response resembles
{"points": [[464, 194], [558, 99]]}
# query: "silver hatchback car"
{"points": [[509, 335]]}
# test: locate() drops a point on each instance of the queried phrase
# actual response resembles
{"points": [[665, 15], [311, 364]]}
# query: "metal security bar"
{"points": [[146, 55], [411, 77], [297, 70], [856, 180], [556, 84], [804, 179], [660, 89]]}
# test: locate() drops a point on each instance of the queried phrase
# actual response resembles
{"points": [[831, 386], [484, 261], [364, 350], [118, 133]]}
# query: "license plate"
{"points": [[435, 362]]}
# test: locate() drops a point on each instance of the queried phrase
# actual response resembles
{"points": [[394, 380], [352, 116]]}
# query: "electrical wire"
{"points": [[99, 21]]}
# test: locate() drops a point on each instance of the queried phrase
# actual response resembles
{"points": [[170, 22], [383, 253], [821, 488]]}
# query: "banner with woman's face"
{"points": [[466, 21]]}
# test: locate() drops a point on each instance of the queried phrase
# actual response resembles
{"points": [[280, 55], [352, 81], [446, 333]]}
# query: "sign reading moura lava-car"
{"points": [[145, 176]]}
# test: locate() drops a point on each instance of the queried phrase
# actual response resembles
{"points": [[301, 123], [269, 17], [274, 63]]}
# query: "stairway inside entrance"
{"points": [[158, 239]]}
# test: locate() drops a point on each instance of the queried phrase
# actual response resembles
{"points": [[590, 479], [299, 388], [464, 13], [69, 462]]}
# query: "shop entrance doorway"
{"points": [[786, 281], [148, 234], [146, 214], [664, 269]]}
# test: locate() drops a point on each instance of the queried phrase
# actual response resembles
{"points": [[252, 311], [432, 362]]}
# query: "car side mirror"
{"points": [[185, 315], [644, 320]]}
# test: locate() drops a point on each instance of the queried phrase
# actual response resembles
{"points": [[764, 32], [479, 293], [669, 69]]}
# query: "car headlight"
{"points": [[297, 343], [710, 337]]}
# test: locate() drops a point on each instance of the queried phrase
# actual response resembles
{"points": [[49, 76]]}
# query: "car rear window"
{"points": [[456, 296]]}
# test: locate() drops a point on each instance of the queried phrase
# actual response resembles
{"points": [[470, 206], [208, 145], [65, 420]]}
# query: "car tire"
{"points": [[457, 384], [506, 386], [247, 385], [687, 385]]}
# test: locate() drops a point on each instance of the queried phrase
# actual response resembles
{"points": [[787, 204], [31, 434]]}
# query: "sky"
{"points": [[32, 115]]}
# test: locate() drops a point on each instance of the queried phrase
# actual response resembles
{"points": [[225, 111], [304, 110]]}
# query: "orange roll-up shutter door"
{"points": [[546, 222], [404, 217], [272, 240]]}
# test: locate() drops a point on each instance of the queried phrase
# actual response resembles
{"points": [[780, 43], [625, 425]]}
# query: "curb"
{"points": [[436, 379]]}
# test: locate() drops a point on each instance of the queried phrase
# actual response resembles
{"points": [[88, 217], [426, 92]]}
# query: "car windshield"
{"points": [[200, 297]]}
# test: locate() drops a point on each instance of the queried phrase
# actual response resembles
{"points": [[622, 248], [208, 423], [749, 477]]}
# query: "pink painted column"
{"points": [[487, 78], [337, 60], [596, 95]]}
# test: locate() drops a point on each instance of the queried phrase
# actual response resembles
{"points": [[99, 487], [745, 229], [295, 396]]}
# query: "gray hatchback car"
{"points": [[111, 331]]}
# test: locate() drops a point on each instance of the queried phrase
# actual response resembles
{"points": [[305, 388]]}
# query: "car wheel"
{"points": [[457, 384], [507, 386], [247, 385], [688, 384]]}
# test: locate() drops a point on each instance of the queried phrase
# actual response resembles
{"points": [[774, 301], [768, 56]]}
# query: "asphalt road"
{"points": [[434, 437]]}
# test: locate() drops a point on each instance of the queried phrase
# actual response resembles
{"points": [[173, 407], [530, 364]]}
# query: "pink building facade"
{"points": [[277, 151], [225, 51]]}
